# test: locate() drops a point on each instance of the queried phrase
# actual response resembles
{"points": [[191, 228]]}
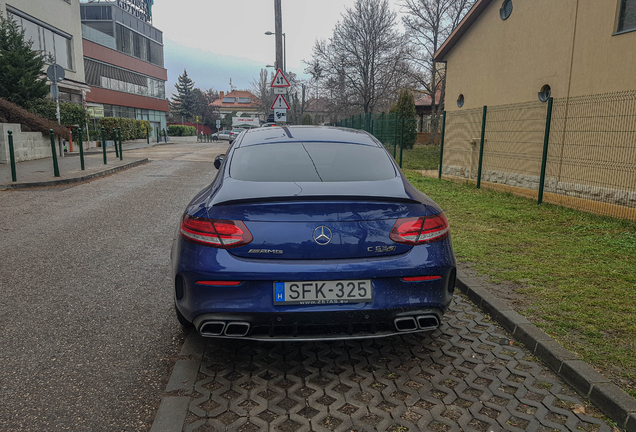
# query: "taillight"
{"points": [[223, 234], [414, 231]]}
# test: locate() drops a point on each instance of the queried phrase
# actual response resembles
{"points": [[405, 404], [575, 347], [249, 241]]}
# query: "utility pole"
{"points": [[278, 30]]}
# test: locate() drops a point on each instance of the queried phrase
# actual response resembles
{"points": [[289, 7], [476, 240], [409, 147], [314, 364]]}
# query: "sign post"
{"points": [[280, 105]]}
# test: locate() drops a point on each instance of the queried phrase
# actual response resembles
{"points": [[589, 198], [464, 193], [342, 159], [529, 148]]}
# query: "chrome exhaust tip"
{"points": [[237, 329], [427, 322], [212, 328], [405, 323]]}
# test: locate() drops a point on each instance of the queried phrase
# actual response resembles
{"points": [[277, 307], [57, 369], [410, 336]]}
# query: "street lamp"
{"points": [[269, 33]]}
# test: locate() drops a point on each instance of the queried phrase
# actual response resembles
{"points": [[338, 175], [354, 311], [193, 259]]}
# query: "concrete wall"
{"points": [[26, 145], [574, 51]]}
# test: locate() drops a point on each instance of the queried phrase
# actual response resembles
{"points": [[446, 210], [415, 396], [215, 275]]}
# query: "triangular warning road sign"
{"points": [[280, 103], [280, 80]]}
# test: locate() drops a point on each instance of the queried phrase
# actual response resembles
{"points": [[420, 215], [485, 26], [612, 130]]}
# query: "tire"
{"points": [[182, 320], [215, 138]]}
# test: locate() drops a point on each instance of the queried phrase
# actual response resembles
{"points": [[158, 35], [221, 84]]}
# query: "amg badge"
{"points": [[266, 251]]}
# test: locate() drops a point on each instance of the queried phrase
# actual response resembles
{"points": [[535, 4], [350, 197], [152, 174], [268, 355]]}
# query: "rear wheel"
{"points": [[182, 320]]}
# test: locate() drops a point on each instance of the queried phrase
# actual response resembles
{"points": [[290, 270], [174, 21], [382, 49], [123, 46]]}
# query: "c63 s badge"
{"points": [[380, 249]]}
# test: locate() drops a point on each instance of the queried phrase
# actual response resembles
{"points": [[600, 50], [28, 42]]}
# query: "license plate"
{"points": [[323, 292]]}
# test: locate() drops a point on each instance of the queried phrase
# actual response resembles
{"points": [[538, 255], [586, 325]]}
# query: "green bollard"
{"points": [[56, 169], [104, 143], [158, 134], [147, 136], [121, 151], [165, 136], [12, 156], [115, 144], [81, 146]]}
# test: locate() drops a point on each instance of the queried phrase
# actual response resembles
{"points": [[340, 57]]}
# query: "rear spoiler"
{"points": [[392, 190]]}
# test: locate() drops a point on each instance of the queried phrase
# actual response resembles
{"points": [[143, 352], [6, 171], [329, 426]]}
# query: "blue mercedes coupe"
{"points": [[311, 233]]}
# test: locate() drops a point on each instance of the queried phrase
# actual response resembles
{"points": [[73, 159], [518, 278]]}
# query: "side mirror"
{"points": [[218, 161]]}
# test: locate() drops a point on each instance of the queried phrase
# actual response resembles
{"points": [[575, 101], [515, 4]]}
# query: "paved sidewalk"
{"points": [[483, 370], [40, 172]]}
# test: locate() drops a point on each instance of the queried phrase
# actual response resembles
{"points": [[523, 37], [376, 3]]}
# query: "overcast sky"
{"points": [[219, 40]]}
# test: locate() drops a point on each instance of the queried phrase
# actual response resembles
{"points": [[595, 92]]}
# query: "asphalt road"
{"points": [[87, 330]]}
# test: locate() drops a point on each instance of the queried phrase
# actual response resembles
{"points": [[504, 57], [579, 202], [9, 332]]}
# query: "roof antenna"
{"points": [[231, 87]]}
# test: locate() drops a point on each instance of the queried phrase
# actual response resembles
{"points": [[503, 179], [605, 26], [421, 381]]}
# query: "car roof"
{"points": [[290, 134]]}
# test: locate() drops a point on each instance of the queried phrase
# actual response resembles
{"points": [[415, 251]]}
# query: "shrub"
{"points": [[11, 113], [130, 128], [70, 113], [181, 130]]}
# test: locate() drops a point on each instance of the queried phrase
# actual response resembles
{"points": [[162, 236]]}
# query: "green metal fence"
{"points": [[397, 134], [577, 152]]}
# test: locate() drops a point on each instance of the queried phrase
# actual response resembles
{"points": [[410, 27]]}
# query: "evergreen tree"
{"points": [[184, 104], [20, 66], [405, 108]]}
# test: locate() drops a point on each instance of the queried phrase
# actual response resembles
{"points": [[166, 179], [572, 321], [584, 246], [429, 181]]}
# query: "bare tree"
{"points": [[262, 90], [428, 24], [362, 65]]}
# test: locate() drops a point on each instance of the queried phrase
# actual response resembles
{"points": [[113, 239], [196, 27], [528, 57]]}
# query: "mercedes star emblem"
{"points": [[322, 235]]}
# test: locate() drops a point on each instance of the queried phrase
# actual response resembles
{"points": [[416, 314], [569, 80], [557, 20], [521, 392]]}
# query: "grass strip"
{"points": [[577, 270]]}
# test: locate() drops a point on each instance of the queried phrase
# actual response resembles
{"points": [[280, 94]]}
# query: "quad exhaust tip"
{"points": [[212, 328], [237, 329], [405, 323], [220, 328], [427, 322], [422, 322]]}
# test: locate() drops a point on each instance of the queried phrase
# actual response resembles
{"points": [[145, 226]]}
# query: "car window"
{"points": [[311, 162]]}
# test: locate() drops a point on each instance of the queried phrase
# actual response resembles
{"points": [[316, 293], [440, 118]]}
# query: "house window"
{"points": [[54, 45], [506, 10], [627, 15], [460, 100]]}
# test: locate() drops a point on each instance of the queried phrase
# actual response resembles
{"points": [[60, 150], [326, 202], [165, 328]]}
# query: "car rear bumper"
{"points": [[252, 301], [300, 326]]}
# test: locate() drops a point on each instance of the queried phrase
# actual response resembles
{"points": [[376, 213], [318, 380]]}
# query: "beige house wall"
{"points": [[61, 14], [499, 62]]}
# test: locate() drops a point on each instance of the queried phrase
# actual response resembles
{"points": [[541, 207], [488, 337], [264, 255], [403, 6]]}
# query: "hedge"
{"points": [[12, 113], [130, 128], [181, 130]]}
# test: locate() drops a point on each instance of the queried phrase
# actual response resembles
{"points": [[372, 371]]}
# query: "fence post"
{"points": [[121, 151], [372, 126], [115, 144], [395, 136], [104, 143], [441, 149], [12, 156], [359, 121], [481, 146], [401, 141], [147, 136], [56, 169], [81, 147], [544, 159]]}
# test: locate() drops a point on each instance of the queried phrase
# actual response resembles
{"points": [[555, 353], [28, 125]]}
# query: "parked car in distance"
{"points": [[236, 132], [311, 232], [221, 135]]}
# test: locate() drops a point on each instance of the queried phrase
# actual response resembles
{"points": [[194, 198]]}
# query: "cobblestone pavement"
{"points": [[466, 376]]}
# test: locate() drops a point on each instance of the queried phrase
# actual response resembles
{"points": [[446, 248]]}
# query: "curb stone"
{"points": [[73, 180], [608, 397]]}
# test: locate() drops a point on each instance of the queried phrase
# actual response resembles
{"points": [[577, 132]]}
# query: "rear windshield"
{"points": [[311, 162]]}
